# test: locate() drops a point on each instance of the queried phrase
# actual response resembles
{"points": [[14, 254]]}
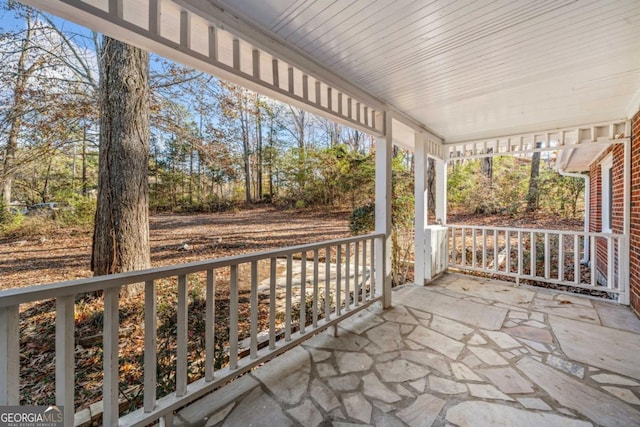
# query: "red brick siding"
{"points": [[634, 255], [617, 214]]}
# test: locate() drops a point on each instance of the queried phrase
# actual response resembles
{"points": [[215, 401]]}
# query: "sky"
{"points": [[10, 21]]}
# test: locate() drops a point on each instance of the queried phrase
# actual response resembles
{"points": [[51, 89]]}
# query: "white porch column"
{"points": [[421, 208], [441, 190], [383, 212]]}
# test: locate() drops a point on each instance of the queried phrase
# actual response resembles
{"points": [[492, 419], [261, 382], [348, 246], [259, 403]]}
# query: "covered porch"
{"points": [[464, 351]]}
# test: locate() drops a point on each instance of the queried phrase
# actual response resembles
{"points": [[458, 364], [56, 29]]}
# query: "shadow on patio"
{"points": [[463, 351]]}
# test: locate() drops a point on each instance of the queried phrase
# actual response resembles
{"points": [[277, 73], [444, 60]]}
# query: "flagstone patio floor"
{"points": [[462, 351]]}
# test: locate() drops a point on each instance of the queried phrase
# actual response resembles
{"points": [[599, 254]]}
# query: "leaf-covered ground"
{"points": [[64, 254]]}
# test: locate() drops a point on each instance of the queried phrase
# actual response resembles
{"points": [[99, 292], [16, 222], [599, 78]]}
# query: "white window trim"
{"points": [[605, 166]]}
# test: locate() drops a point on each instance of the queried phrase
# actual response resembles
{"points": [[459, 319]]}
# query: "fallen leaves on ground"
{"points": [[174, 239]]}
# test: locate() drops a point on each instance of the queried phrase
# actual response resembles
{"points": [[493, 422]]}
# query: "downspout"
{"points": [[587, 199]]}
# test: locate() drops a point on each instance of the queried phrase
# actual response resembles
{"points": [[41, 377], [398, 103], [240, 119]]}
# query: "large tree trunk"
{"points": [[121, 233], [487, 167], [532, 194], [431, 185]]}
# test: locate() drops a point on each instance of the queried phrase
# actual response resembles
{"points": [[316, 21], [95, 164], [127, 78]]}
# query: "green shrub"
{"points": [[81, 211], [362, 219], [23, 227]]}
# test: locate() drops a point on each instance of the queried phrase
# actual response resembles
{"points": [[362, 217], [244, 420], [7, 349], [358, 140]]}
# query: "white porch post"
{"points": [[421, 208], [383, 212], [441, 190], [441, 210]]}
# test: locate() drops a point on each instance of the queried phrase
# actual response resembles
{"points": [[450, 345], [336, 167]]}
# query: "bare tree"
{"points": [[47, 89], [532, 193], [17, 109]]}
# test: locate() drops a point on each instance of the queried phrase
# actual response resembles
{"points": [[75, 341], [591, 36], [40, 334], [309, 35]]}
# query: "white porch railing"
{"points": [[549, 256], [348, 286]]}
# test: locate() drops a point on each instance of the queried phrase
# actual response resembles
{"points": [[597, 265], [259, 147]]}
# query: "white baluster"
{"points": [[210, 326], [233, 318], [288, 296], [182, 361], [303, 292], [150, 345], [254, 311], [65, 361], [110, 357]]}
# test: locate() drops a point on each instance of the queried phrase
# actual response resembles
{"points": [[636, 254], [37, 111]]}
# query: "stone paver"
{"points": [[614, 316], [450, 328], [306, 414], [624, 394], [487, 391], [323, 395], [565, 365], [357, 407], [344, 382], [353, 362], [578, 396], [614, 379], [534, 403], [503, 340], [446, 386], [287, 377], [462, 372], [476, 340], [375, 389], [507, 380], [481, 414], [599, 346], [463, 352], [530, 333], [400, 370], [488, 356], [574, 311], [436, 341], [483, 316], [269, 413], [422, 412]]}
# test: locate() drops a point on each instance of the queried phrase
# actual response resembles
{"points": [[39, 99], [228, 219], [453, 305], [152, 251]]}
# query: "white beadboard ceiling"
{"points": [[471, 69]]}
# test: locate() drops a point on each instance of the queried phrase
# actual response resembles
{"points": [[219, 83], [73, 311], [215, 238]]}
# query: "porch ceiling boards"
{"points": [[471, 69]]}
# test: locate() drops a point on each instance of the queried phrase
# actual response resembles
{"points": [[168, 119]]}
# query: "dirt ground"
{"points": [[66, 254], [535, 220]]}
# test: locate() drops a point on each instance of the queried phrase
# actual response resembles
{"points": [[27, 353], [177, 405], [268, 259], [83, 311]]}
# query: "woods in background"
{"points": [[212, 144]]}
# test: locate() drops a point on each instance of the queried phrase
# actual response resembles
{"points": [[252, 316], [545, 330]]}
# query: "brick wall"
{"points": [[595, 203], [634, 261], [618, 208]]}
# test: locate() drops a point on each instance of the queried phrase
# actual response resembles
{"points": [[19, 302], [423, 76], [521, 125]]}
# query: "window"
{"points": [[606, 169]]}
